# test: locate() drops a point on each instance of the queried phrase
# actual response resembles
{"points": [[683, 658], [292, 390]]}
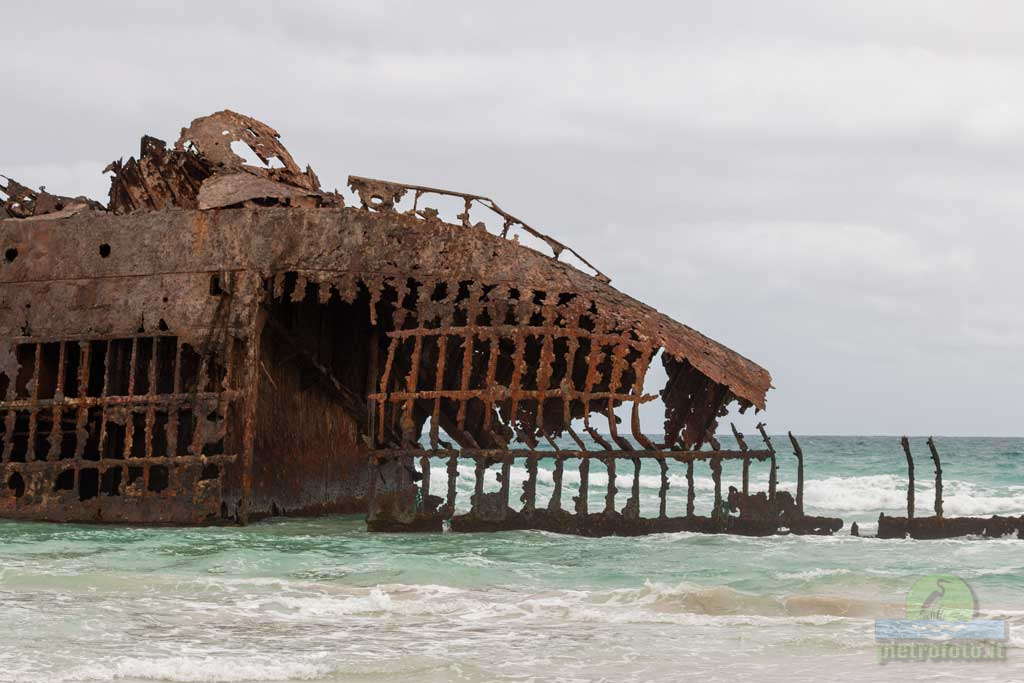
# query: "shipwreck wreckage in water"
{"points": [[224, 342]]}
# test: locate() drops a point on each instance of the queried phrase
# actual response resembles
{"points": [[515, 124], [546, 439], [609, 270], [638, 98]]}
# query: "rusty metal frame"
{"points": [[133, 392], [397, 509]]}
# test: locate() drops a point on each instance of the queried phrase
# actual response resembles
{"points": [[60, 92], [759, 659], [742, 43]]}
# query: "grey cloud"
{"points": [[829, 188]]}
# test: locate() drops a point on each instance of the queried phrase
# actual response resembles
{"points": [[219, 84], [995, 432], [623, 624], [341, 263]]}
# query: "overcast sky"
{"points": [[833, 189]]}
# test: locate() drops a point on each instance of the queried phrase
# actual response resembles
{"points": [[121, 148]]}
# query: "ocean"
{"points": [[323, 600]]}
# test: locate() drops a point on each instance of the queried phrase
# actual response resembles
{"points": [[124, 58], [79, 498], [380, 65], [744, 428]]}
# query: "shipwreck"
{"points": [[225, 341]]}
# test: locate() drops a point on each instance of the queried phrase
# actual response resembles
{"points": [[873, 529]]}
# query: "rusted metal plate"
{"points": [[211, 137]]}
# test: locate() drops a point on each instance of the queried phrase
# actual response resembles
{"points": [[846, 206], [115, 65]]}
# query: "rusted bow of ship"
{"points": [[225, 340]]}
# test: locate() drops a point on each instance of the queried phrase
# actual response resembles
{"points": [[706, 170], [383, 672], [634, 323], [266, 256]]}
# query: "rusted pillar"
{"points": [[635, 495], [581, 501], [663, 491], [435, 415], [529, 497], [799, 453], [556, 477], [938, 476], [905, 442], [746, 458], [609, 498], [410, 434], [773, 474], [689, 488], [478, 485], [716, 475], [453, 475], [506, 476], [425, 481]]}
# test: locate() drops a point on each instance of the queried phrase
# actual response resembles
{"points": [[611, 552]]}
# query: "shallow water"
{"points": [[322, 599]]}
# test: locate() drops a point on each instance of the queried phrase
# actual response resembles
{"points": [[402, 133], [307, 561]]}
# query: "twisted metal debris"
{"points": [[225, 341], [938, 525]]}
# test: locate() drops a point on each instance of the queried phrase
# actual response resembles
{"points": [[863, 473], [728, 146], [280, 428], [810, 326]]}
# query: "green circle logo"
{"points": [[941, 597]]}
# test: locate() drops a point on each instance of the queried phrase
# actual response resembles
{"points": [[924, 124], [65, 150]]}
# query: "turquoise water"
{"points": [[322, 599]]}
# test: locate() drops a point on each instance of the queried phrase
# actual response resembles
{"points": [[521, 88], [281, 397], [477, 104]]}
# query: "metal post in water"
{"points": [[716, 475], [773, 475], [635, 494], [581, 501], [529, 497], [905, 442], [938, 476], [663, 491], [425, 482], [506, 484], [609, 498], [453, 474], [689, 488], [478, 485], [746, 458], [556, 477], [799, 453]]}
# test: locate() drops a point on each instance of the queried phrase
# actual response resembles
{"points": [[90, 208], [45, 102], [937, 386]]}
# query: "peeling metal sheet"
{"points": [[236, 188], [211, 136]]}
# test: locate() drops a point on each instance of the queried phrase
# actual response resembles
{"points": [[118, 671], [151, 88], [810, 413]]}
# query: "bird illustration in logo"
{"points": [[941, 598], [931, 608]]}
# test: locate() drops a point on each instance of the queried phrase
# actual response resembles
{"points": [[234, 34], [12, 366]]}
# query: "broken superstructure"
{"points": [[225, 341]]}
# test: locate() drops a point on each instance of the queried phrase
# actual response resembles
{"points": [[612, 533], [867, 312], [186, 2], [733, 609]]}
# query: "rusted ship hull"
{"points": [[223, 343]]}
